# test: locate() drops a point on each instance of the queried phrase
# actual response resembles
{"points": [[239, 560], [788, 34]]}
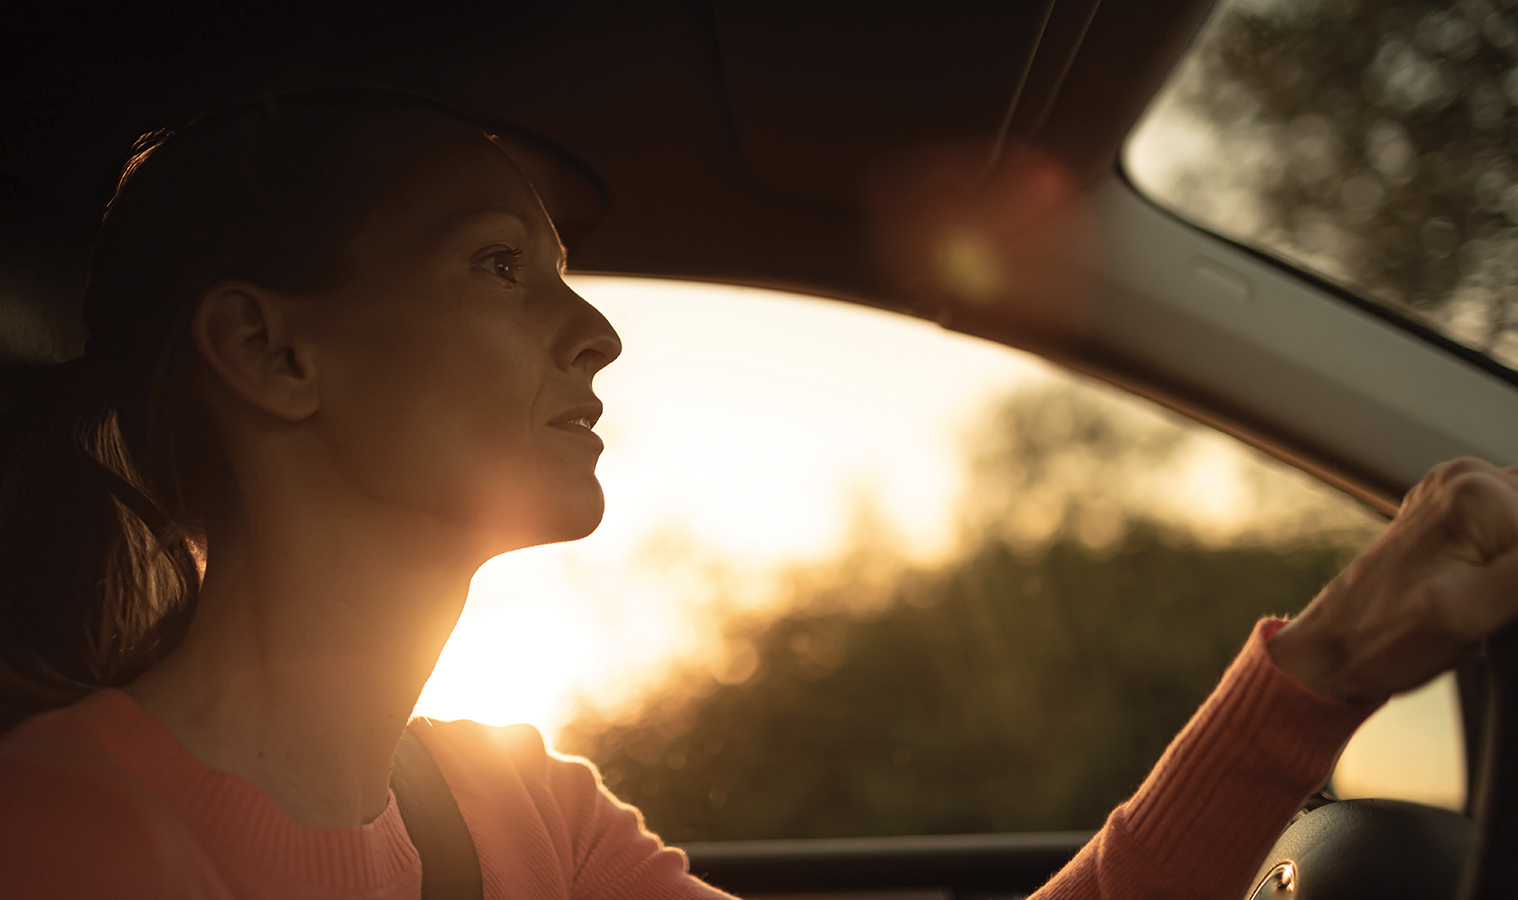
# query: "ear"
{"points": [[245, 336]]}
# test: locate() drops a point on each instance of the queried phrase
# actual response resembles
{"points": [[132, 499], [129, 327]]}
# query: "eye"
{"points": [[502, 264]]}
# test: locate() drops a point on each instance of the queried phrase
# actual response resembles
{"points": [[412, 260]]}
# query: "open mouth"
{"points": [[584, 416]]}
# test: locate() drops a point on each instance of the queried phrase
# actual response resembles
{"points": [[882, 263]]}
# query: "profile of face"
{"points": [[454, 367]]}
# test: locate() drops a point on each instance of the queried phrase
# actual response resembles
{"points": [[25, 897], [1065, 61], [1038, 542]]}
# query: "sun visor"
{"points": [[819, 93]]}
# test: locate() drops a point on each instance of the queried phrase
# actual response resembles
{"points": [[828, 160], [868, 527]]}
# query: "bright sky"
{"points": [[742, 428], [742, 425], [1411, 747]]}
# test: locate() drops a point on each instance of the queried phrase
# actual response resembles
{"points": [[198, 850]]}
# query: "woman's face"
{"points": [[455, 367]]}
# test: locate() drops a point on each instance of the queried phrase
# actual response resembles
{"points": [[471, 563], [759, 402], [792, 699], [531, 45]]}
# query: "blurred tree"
{"points": [[1376, 141], [1024, 685], [1008, 694]]}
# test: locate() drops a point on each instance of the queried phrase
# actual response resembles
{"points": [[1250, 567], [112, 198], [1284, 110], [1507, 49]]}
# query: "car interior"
{"points": [[725, 141]]}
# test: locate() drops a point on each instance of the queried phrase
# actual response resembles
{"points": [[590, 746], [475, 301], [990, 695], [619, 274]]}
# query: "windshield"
{"points": [[860, 575], [1369, 140]]}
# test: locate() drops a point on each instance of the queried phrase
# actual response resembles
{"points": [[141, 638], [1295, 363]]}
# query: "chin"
{"points": [[552, 520], [573, 528]]}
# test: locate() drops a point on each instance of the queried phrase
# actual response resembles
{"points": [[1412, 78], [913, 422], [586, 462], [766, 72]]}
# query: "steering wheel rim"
{"points": [[1491, 864], [1349, 849]]}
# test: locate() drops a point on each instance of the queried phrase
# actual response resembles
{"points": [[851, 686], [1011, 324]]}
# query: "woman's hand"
{"points": [[1442, 577]]}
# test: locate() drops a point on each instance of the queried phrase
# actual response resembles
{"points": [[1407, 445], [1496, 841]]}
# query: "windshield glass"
{"points": [[1369, 140], [860, 575]]}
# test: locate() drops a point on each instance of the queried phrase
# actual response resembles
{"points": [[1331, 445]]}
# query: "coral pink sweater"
{"points": [[98, 800]]}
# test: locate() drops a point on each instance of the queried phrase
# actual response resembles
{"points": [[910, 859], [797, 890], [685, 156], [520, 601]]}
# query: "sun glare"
{"points": [[522, 646], [744, 429]]}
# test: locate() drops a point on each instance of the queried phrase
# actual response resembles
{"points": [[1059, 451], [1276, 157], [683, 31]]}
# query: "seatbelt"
{"points": [[450, 865]]}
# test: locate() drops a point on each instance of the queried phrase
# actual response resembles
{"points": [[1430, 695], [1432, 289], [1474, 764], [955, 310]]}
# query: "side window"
{"points": [[862, 576], [1412, 749], [1370, 140]]}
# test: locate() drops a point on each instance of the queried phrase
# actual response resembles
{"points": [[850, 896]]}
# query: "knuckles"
{"points": [[1471, 491], [1440, 579], [1453, 469], [1467, 486], [1438, 478], [1466, 505]]}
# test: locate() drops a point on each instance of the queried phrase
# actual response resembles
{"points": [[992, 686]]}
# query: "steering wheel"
{"points": [[1389, 849], [1491, 869]]}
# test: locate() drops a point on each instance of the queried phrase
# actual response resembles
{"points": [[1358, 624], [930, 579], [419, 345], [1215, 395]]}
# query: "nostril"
{"points": [[592, 359]]}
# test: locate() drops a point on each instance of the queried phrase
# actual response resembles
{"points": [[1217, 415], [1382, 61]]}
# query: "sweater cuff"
{"points": [[1231, 780]]}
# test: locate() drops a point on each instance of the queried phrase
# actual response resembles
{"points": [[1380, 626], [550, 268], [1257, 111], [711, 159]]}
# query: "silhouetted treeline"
{"points": [[1025, 684], [1007, 693]]}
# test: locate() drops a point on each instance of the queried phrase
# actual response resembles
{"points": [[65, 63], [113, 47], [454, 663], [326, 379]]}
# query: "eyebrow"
{"points": [[459, 220]]}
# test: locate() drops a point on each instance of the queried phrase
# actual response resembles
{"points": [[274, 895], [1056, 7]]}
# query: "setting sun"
{"points": [[751, 432], [716, 453]]}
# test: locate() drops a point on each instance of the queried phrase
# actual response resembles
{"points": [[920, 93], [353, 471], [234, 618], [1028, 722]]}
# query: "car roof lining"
{"points": [[675, 140], [685, 131]]}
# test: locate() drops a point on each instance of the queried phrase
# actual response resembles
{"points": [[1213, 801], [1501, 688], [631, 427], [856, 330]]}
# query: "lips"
{"points": [[582, 416]]}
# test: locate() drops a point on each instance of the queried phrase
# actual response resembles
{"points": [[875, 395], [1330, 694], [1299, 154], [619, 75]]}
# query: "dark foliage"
{"points": [[1004, 693], [1389, 130]]}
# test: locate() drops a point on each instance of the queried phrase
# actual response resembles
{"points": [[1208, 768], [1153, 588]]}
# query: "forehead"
{"points": [[446, 175]]}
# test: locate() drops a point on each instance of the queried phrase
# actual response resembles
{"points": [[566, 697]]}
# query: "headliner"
{"points": [[716, 140]]}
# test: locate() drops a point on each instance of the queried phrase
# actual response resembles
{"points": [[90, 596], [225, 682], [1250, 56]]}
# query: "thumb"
{"points": [[1485, 599]]}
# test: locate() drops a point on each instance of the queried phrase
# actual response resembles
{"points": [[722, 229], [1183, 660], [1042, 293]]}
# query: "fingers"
{"points": [[1468, 506], [1472, 509], [1475, 608], [1442, 577], [1474, 501], [1451, 470]]}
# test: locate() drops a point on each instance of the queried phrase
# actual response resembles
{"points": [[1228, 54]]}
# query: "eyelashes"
{"points": [[504, 263]]}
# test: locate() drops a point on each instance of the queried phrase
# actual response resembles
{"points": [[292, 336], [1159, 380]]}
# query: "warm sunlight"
{"points": [[748, 431], [746, 427], [1410, 749]]}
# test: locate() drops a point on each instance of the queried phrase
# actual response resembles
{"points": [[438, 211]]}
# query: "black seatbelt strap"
{"points": [[450, 865]]}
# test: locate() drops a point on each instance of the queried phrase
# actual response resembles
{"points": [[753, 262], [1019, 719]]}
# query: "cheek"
{"points": [[437, 414]]}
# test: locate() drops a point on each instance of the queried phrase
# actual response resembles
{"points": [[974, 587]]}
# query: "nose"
{"points": [[587, 342]]}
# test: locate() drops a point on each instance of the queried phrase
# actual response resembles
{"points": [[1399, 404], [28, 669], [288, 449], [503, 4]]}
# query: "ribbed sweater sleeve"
{"points": [[1201, 823]]}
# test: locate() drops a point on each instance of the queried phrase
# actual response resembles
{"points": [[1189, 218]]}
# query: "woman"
{"points": [[333, 363]]}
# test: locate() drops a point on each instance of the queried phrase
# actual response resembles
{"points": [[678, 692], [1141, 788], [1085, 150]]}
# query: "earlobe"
{"points": [[246, 338]]}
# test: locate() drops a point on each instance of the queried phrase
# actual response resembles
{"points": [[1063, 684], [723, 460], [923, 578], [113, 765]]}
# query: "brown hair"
{"points": [[109, 466]]}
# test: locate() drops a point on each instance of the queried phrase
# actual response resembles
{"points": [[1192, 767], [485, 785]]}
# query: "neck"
{"points": [[317, 628]]}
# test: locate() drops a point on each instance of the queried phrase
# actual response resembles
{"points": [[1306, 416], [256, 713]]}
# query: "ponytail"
{"points": [[110, 466], [99, 581]]}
